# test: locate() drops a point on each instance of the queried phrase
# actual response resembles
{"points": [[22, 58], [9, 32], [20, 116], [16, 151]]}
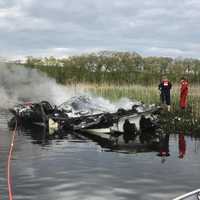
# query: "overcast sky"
{"points": [[65, 27]]}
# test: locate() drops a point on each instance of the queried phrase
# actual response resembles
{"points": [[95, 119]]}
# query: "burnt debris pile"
{"points": [[139, 124]]}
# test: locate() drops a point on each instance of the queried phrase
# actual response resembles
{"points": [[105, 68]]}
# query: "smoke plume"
{"points": [[19, 84]]}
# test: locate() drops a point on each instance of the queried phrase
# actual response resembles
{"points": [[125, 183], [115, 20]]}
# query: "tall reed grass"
{"points": [[147, 94], [187, 120]]}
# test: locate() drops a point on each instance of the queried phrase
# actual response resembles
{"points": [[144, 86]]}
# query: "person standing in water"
{"points": [[165, 87], [183, 93]]}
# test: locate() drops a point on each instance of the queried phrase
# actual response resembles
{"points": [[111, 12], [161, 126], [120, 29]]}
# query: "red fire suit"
{"points": [[182, 145], [183, 93]]}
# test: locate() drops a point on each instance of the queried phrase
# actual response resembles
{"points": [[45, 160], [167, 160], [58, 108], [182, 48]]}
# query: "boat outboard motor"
{"points": [[130, 131]]}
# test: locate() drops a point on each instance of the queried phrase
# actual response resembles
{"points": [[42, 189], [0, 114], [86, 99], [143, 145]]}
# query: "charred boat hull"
{"points": [[127, 124]]}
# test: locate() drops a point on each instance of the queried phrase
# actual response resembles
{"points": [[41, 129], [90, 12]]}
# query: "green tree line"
{"points": [[116, 68]]}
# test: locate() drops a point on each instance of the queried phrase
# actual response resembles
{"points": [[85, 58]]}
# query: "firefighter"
{"points": [[165, 87], [183, 93]]}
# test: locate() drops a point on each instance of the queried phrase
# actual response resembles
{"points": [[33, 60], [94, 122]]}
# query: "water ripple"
{"points": [[74, 169]]}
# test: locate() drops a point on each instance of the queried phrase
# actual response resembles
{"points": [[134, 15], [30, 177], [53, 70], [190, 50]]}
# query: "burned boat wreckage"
{"points": [[137, 126]]}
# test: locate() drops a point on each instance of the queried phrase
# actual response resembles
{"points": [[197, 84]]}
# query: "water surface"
{"points": [[77, 168]]}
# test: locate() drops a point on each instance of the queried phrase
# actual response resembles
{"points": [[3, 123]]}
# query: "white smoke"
{"points": [[93, 104], [109, 106], [19, 84]]}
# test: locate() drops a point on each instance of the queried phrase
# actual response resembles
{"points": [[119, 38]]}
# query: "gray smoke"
{"points": [[19, 84]]}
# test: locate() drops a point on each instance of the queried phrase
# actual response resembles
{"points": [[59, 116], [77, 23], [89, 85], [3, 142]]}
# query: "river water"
{"points": [[77, 168]]}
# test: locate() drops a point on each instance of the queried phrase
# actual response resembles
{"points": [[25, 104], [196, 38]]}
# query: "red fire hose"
{"points": [[9, 181]]}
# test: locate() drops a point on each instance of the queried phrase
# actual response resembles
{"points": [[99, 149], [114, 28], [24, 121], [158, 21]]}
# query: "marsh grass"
{"points": [[147, 94], [175, 121], [187, 120]]}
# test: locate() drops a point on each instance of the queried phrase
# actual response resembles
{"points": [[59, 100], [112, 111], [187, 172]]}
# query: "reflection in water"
{"points": [[73, 167], [164, 148], [41, 136], [181, 145], [4, 142], [197, 145]]}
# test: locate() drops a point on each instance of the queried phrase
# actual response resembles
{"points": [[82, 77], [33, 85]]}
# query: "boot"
{"points": [[168, 108]]}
